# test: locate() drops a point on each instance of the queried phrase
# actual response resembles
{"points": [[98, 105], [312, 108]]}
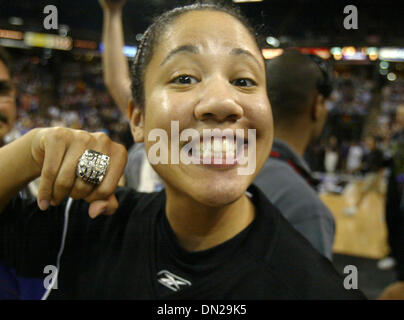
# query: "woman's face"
{"points": [[206, 73]]}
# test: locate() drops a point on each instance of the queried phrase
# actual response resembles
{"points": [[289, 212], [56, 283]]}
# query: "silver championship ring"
{"points": [[92, 166]]}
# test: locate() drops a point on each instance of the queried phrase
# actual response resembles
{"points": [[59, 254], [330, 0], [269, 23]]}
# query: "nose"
{"points": [[218, 103]]}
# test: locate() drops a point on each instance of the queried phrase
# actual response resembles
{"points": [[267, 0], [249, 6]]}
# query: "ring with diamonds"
{"points": [[92, 166]]}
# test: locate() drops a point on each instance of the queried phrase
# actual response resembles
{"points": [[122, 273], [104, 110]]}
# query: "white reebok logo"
{"points": [[171, 281]]}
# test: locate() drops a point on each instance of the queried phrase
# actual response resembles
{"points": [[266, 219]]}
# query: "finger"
{"points": [[81, 189], [114, 172], [54, 151], [106, 207], [66, 178]]}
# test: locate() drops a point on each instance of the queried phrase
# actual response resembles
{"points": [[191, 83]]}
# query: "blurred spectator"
{"points": [[77, 100], [354, 158], [372, 167], [392, 96], [7, 98], [331, 155], [349, 107], [298, 89], [395, 194]]}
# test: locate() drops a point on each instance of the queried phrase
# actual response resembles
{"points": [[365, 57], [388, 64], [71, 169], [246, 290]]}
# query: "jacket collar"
{"points": [[286, 152]]}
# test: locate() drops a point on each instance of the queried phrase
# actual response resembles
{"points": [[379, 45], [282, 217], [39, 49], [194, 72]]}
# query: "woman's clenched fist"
{"points": [[56, 153]]}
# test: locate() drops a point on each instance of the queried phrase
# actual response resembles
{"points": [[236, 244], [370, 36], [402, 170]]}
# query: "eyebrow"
{"points": [[194, 50], [185, 48], [243, 52]]}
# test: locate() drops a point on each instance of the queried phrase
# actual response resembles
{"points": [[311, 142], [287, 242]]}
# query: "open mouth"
{"points": [[216, 151]]}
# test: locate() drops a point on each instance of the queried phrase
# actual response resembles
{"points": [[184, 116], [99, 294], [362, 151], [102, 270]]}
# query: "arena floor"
{"points": [[361, 239]]}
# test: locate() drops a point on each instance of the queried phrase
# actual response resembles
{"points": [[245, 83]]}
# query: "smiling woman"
{"points": [[209, 234]]}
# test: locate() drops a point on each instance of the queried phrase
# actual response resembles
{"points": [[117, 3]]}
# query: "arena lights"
{"points": [[391, 54], [336, 53], [384, 65], [64, 30], [11, 34], [85, 44], [49, 41], [273, 42], [271, 53], [129, 51], [383, 72], [373, 53], [351, 53], [16, 21], [391, 76], [11, 43], [323, 53]]}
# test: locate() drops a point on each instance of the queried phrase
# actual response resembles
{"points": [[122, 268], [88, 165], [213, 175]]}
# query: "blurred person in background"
{"points": [[298, 86], [395, 198], [354, 157], [139, 174], [8, 116], [331, 157], [8, 109], [8, 113], [372, 167]]}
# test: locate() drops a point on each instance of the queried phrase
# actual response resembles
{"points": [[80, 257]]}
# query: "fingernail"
{"points": [[44, 205]]}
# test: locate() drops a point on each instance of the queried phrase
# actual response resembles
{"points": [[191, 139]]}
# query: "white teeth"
{"points": [[217, 146], [218, 149], [206, 152]]}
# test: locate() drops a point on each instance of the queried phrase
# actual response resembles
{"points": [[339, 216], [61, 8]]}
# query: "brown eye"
{"points": [[243, 82], [184, 79]]}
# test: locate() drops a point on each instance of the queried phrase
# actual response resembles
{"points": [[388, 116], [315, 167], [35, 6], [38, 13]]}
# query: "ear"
{"points": [[136, 122], [317, 108]]}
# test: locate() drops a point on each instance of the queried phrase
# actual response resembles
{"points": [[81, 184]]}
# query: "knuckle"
{"points": [[82, 136], [86, 138], [101, 137], [60, 133]]}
